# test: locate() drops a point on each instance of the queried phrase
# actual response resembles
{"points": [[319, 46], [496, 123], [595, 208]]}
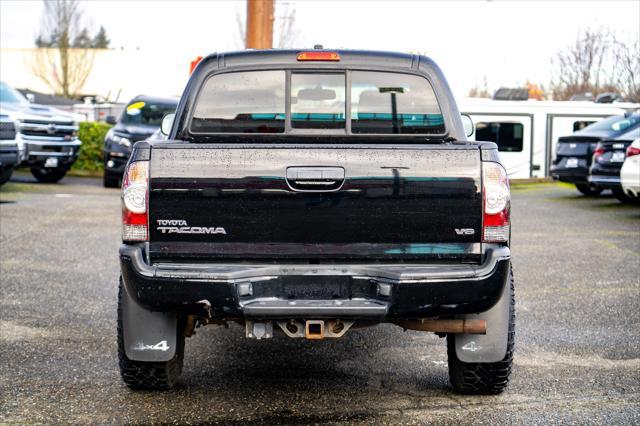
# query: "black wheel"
{"points": [[483, 378], [5, 175], [588, 190], [110, 181], [624, 198], [48, 174], [140, 375]]}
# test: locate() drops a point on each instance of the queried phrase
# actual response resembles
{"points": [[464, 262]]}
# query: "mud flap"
{"points": [[490, 347], [148, 336]]}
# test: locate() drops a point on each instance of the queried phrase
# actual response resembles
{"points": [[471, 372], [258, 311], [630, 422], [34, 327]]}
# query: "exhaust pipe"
{"points": [[454, 326]]}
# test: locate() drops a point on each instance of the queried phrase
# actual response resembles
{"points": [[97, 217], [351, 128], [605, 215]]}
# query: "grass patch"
{"points": [[17, 187], [85, 173], [524, 186]]}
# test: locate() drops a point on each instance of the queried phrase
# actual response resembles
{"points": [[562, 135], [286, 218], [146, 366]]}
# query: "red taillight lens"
{"points": [[632, 150], [598, 152], [496, 203], [318, 56], [135, 186]]}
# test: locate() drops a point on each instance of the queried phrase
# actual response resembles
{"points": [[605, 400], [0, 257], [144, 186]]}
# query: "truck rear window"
{"points": [[317, 101], [255, 102], [384, 102], [241, 102]]}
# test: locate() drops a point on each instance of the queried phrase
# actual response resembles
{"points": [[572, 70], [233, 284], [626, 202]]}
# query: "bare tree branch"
{"points": [[63, 68], [626, 68], [598, 62], [287, 32], [579, 67]]}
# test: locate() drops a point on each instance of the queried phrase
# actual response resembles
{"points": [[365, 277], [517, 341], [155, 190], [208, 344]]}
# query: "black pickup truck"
{"points": [[303, 193]]}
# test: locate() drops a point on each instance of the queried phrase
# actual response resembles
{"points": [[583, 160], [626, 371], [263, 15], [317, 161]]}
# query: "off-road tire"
{"points": [[110, 181], [588, 190], [5, 175], [48, 174], [139, 375], [624, 198], [483, 378]]}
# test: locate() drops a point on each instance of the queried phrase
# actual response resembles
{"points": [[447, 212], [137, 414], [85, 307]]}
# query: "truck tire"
{"points": [[5, 175], [483, 378], [47, 174], [139, 375], [588, 190]]}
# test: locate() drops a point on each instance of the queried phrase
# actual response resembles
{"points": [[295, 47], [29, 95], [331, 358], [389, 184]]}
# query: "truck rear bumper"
{"points": [[367, 292]]}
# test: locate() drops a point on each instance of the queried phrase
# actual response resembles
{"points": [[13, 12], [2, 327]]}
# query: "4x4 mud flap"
{"points": [[490, 347], [148, 336]]}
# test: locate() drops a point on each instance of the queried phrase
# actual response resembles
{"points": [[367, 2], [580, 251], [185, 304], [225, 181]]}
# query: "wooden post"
{"points": [[259, 24]]}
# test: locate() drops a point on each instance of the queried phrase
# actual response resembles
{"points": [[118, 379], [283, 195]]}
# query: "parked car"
{"points": [[47, 137], [574, 153], [9, 155], [271, 207], [607, 162], [139, 120], [630, 172]]}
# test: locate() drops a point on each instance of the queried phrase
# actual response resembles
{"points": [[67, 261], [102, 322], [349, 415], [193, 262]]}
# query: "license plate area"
{"points": [[572, 162], [313, 288], [51, 162], [617, 157]]}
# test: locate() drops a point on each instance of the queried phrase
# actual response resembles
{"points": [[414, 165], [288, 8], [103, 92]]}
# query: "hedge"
{"points": [[92, 136]]}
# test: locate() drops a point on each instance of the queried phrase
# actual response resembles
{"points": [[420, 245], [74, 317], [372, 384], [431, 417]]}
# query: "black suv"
{"points": [[574, 153], [607, 162], [139, 120]]}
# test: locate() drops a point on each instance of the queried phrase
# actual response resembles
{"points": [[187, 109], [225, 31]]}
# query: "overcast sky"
{"points": [[506, 42]]}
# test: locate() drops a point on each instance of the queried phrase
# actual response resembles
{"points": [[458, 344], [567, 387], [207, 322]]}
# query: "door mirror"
{"points": [[167, 123], [467, 123], [111, 119]]}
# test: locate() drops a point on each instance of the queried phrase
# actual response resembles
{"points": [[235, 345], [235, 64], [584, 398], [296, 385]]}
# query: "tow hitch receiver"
{"points": [[314, 329], [309, 329]]}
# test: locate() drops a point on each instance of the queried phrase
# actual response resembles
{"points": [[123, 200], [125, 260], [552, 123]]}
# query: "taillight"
{"points": [[598, 152], [496, 203], [135, 186], [632, 150]]}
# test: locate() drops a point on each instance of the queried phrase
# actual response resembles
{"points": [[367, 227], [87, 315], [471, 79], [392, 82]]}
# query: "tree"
{"points": [[101, 41], [626, 68], [62, 65], [286, 30], [599, 61], [477, 92], [82, 40]]}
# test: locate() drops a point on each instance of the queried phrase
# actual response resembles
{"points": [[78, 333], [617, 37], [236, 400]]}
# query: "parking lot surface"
{"points": [[577, 269]]}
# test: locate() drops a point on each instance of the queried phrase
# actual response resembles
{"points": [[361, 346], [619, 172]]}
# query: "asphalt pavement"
{"points": [[577, 270]]}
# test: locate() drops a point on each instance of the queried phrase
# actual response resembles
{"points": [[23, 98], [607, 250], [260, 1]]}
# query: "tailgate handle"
{"points": [[315, 179]]}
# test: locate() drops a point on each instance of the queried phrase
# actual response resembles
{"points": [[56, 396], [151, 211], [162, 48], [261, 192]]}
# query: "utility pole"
{"points": [[259, 24]]}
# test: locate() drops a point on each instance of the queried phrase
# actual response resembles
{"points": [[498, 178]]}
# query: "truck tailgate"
{"points": [[315, 203]]}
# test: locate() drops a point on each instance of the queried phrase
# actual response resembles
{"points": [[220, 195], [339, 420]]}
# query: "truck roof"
{"points": [[348, 58]]}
